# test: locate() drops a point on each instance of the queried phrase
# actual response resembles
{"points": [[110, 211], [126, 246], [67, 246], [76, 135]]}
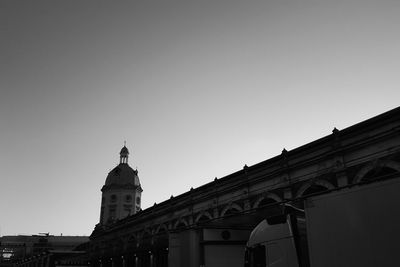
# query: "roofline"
{"points": [[379, 119], [374, 122]]}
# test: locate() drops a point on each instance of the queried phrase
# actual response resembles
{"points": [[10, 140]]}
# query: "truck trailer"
{"points": [[352, 226]]}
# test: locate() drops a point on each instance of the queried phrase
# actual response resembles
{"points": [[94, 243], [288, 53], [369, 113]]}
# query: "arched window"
{"points": [[379, 173], [377, 170], [231, 209], [203, 218], [266, 202], [128, 198], [313, 189], [231, 212], [269, 206]]}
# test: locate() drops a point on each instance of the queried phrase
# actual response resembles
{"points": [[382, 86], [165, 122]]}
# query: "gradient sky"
{"points": [[198, 89]]}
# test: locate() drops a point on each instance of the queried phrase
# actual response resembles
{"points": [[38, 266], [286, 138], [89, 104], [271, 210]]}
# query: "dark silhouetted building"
{"points": [[210, 225]]}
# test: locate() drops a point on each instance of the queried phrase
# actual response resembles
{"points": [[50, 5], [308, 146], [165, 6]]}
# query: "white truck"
{"points": [[357, 226]]}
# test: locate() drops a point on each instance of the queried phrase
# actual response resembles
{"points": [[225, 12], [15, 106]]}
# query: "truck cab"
{"points": [[353, 226], [278, 241]]}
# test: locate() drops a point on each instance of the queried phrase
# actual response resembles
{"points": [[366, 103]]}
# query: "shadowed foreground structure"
{"points": [[210, 225]]}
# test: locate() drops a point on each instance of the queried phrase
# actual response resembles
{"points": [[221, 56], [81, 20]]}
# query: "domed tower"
{"points": [[121, 195]]}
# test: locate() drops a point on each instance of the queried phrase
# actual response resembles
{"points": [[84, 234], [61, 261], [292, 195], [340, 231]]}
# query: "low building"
{"points": [[28, 250]]}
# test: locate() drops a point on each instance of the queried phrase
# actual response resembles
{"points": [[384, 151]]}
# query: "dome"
{"points": [[122, 175]]}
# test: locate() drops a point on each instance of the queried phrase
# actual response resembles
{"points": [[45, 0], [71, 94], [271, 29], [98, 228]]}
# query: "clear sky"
{"points": [[198, 89]]}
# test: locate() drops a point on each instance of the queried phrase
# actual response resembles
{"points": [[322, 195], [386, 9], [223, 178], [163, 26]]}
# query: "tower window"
{"points": [[127, 212], [113, 198], [138, 200], [112, 213], [128, 198]]}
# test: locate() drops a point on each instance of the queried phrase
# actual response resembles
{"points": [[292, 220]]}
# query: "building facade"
{"points": [[210, 225], [121, 193]]}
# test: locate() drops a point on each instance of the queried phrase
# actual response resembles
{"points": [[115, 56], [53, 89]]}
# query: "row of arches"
{"points": [[370, 172], [375, 170], [202, 216], [158, 233]]}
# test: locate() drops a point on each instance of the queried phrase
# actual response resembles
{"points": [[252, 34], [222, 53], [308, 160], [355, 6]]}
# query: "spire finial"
{"points": [[124, 154]]}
